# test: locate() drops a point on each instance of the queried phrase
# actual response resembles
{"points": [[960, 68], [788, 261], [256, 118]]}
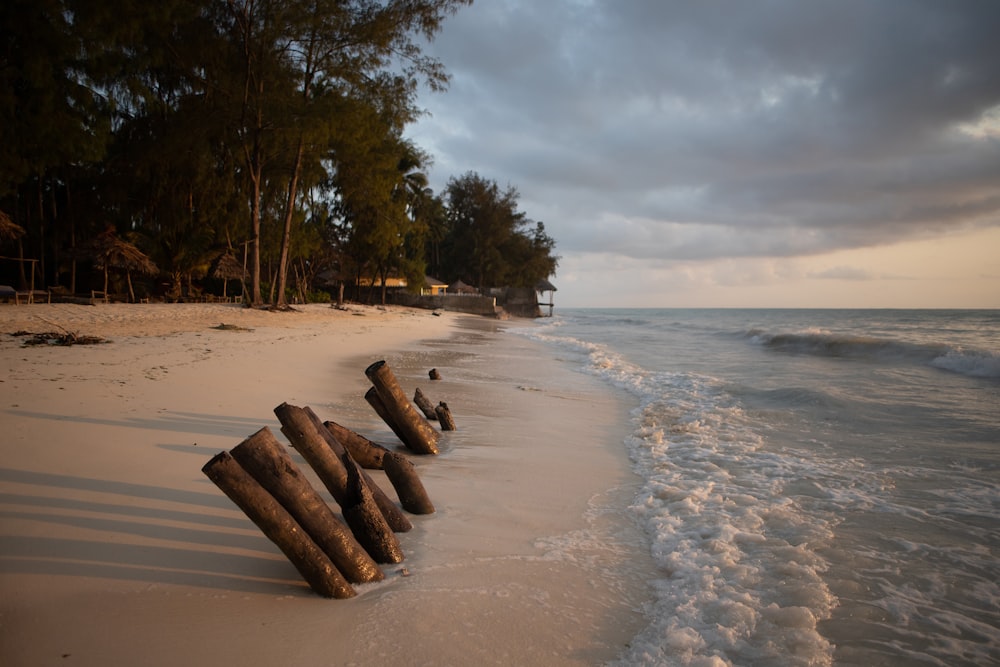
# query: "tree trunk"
{"points": [[268, 462], [420, 436], [286, 236], [278, 525]]}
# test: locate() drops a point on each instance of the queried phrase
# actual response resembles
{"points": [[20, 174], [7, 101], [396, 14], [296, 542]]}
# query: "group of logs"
{"points": [[260, 477]]}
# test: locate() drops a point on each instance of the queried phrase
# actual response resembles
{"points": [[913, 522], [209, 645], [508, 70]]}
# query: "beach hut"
{"points": [[542, 287], [111, 252], [225, 267], [433, 287], [459, 287]]}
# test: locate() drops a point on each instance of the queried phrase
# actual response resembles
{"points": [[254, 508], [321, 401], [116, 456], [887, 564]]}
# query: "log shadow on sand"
{"points": [[166, 420]]}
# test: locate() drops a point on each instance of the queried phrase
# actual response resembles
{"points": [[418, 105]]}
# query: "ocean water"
{"points": [[818, 487]]}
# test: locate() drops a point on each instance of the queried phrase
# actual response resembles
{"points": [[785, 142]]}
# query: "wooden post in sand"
{"points": [[405, 480], [365, 519], [378, 405], [444, 417], [366, 453], [324, 455], [419, 435], [393, 515], [425, 405], [266, 460], [278, 525]]}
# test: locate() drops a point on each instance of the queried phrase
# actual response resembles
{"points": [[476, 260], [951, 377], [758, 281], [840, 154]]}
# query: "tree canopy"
{"points": [[270, 130]]}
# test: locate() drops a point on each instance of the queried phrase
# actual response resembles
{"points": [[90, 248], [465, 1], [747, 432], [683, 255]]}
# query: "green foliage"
{"points": [[274, 128], [486, 242]]}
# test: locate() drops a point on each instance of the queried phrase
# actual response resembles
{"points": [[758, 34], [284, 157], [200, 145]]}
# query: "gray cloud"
{"points": [[676, 129]]}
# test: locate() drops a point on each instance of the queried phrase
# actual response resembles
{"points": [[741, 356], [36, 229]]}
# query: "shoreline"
{"points": [[116, 550]]}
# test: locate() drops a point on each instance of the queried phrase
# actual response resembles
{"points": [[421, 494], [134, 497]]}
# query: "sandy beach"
{"points": [[115, 549]]}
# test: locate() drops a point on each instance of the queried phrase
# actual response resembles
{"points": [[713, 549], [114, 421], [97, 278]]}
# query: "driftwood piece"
{"points": [[324, 456], [418, 435], [366, 520], [393, 515], [278, 525], [433, 374], [302, 434], [405, 480], [268, 462], [425, 404], [366, 453], [378, 405], [444, 416]]}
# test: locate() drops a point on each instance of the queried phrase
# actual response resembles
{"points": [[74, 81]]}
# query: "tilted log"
{"points": [[324, 456], [405, 480], [378, 405], [268, 462], [420, 436], [393, 515], [425, 405], [366, 453], [444, 416], [366, 520], [302, 434], [278, 526]]}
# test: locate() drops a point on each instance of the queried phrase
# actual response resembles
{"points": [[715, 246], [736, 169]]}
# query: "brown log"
{"points": [[444, 417], [393, 515], [409, 488], [299, 430], [324, 456], [366, 520], [278, 525], [375, 401], [434, 375], [368, 454], [418, 434], [425, 405], [268, 462]]}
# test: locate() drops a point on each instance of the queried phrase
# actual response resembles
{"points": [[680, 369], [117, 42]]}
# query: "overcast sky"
{"points": [[761, 153]]}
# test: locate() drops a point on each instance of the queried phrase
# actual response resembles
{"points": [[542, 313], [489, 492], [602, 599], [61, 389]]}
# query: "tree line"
{"points": [[271, 131]]}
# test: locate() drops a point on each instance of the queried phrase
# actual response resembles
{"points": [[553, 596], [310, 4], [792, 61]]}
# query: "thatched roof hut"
{"points": [[225, 267], [9, 230], [111, 252]]}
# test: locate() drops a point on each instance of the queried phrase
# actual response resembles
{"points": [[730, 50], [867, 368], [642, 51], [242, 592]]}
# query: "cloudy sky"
{"points": [[765, 153]]}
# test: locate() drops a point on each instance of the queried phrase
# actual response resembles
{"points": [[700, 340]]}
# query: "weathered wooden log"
{"points": [[302, 434], [366, 520], [405, 480], [425, 405], [378, 405], [278, 526], [433, 374], [420, 436], [324, 457], [444, 417], [366, 453], [393, 515], [266, 460]]}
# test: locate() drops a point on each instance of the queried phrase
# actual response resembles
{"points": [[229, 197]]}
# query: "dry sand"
{"points": [[116, 550]]}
